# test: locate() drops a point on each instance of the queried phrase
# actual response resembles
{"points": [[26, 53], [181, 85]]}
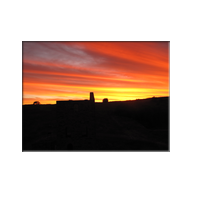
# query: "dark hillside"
{"points": [[127, 125]]}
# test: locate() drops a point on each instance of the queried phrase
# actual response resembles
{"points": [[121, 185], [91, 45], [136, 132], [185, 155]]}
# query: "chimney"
{"points": [[92, 97]]}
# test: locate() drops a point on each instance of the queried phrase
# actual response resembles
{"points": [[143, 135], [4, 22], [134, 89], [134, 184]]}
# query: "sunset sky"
{"points": [[115, 70]]}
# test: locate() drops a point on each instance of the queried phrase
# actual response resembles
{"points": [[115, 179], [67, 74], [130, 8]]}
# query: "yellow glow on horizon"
{"points": [[118, 71]]}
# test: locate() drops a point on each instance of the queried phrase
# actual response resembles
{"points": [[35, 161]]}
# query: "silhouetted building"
{"points": [[75, 121]]}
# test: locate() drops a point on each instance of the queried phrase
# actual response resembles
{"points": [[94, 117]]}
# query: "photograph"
{"points": [[108, 99], [95, 96]]}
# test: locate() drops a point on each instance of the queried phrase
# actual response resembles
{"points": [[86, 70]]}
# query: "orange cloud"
{"points": [[116, 70]]}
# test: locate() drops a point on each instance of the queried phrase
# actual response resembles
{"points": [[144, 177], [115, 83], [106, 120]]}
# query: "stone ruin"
{"points": [[92, 97]]}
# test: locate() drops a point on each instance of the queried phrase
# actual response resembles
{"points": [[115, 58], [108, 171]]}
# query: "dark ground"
{"points": [[140, 125]]}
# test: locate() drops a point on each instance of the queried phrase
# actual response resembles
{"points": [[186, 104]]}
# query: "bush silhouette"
{"points": [[36, 103]]}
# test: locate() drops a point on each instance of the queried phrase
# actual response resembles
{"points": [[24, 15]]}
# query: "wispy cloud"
{"points": [[72, 69]]}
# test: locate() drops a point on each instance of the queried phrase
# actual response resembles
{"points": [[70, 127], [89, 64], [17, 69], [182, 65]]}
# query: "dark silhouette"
{"points": [[105, 100], [92, 97], [36, 103], [141, 125]]}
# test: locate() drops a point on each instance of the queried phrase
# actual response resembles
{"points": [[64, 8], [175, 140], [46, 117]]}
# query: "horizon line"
{"points": [[101, 101]]}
